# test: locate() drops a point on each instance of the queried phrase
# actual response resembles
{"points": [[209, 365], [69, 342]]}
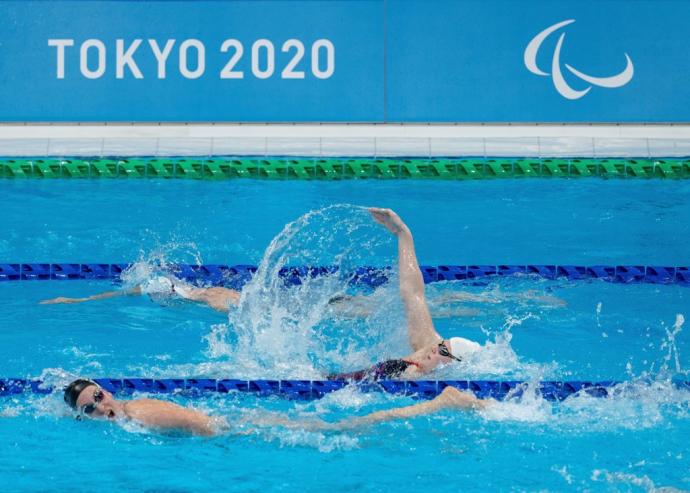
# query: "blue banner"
{"points": [[191, 61], [543, 61], [345, 60]]}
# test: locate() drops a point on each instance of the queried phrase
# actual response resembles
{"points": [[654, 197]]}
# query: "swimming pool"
{"points": [[629, 442]]}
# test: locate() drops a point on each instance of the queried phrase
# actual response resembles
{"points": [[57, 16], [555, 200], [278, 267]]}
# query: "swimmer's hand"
{"points": [[62, 299], [389, 219]]}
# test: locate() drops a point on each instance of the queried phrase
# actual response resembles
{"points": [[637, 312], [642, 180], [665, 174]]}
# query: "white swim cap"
{"points": [[157, 286], [462, 348]]}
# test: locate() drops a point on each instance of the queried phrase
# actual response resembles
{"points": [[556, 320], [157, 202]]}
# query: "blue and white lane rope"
{"points": [[314, 389], [235, 276]]}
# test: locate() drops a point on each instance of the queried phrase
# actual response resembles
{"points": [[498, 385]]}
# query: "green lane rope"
{"points": [[339, 168]]}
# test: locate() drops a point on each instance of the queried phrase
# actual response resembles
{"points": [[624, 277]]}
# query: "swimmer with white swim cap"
{"points": [[165, 287], [430, 349]]}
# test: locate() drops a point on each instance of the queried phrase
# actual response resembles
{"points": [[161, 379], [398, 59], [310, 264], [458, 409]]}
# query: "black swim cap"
{"points": [[73, 390]]}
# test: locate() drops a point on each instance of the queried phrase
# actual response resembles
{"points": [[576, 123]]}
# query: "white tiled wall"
{"points": [[344, 140]]}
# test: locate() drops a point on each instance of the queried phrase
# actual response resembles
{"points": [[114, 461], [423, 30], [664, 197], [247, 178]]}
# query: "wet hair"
{"points": [[75, 388]]}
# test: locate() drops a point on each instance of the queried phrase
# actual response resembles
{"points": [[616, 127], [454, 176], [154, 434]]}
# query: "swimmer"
{"points": [[444, 305], [429, 348], [162, 287], [92, 401], [222, 299]]}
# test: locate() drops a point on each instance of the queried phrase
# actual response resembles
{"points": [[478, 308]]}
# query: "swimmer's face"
{"points": [[97, 403], [434, 358]]}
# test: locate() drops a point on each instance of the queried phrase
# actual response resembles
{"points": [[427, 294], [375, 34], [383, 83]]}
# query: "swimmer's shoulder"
{"points": [[166, 415], [141, 407]]}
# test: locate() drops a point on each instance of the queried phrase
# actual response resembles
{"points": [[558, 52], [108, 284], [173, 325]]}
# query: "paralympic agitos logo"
{"points": [[556, 74]]}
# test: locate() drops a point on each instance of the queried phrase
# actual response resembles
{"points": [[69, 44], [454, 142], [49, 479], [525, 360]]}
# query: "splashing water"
{"points": [[671, 346], [289, 331], [286, 331], [497, 359], [295, 331], [644, 401], [160, 261]]}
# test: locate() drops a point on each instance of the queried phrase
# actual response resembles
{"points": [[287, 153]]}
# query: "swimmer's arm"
{"points": [[270, 419], [193, 422], [451, 296], [218, 298], [167, 416], [421, 331], [530, 295], [347, 306], [450, 398], [544, 299], [100, 296]]}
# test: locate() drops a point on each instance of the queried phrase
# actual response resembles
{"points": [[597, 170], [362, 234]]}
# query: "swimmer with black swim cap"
{"points": [[93, 401], [75, 388]]}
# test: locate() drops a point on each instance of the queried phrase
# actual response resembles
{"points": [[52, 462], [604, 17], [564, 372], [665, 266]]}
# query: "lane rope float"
{"points": [[340, 168], [235, 276], [314, 389]]}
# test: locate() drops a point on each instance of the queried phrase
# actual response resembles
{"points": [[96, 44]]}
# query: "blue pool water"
{"points": [[635, 441]]}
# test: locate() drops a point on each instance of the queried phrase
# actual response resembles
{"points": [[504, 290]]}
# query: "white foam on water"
{"points": [[528, 407], [563, 472], [645, 401], [643, 482], [323, 442], [496, 358], [348, 399]]}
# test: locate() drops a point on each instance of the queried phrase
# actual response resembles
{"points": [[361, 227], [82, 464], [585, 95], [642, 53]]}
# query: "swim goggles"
{"points": [[444, 351], [88, 409]]}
